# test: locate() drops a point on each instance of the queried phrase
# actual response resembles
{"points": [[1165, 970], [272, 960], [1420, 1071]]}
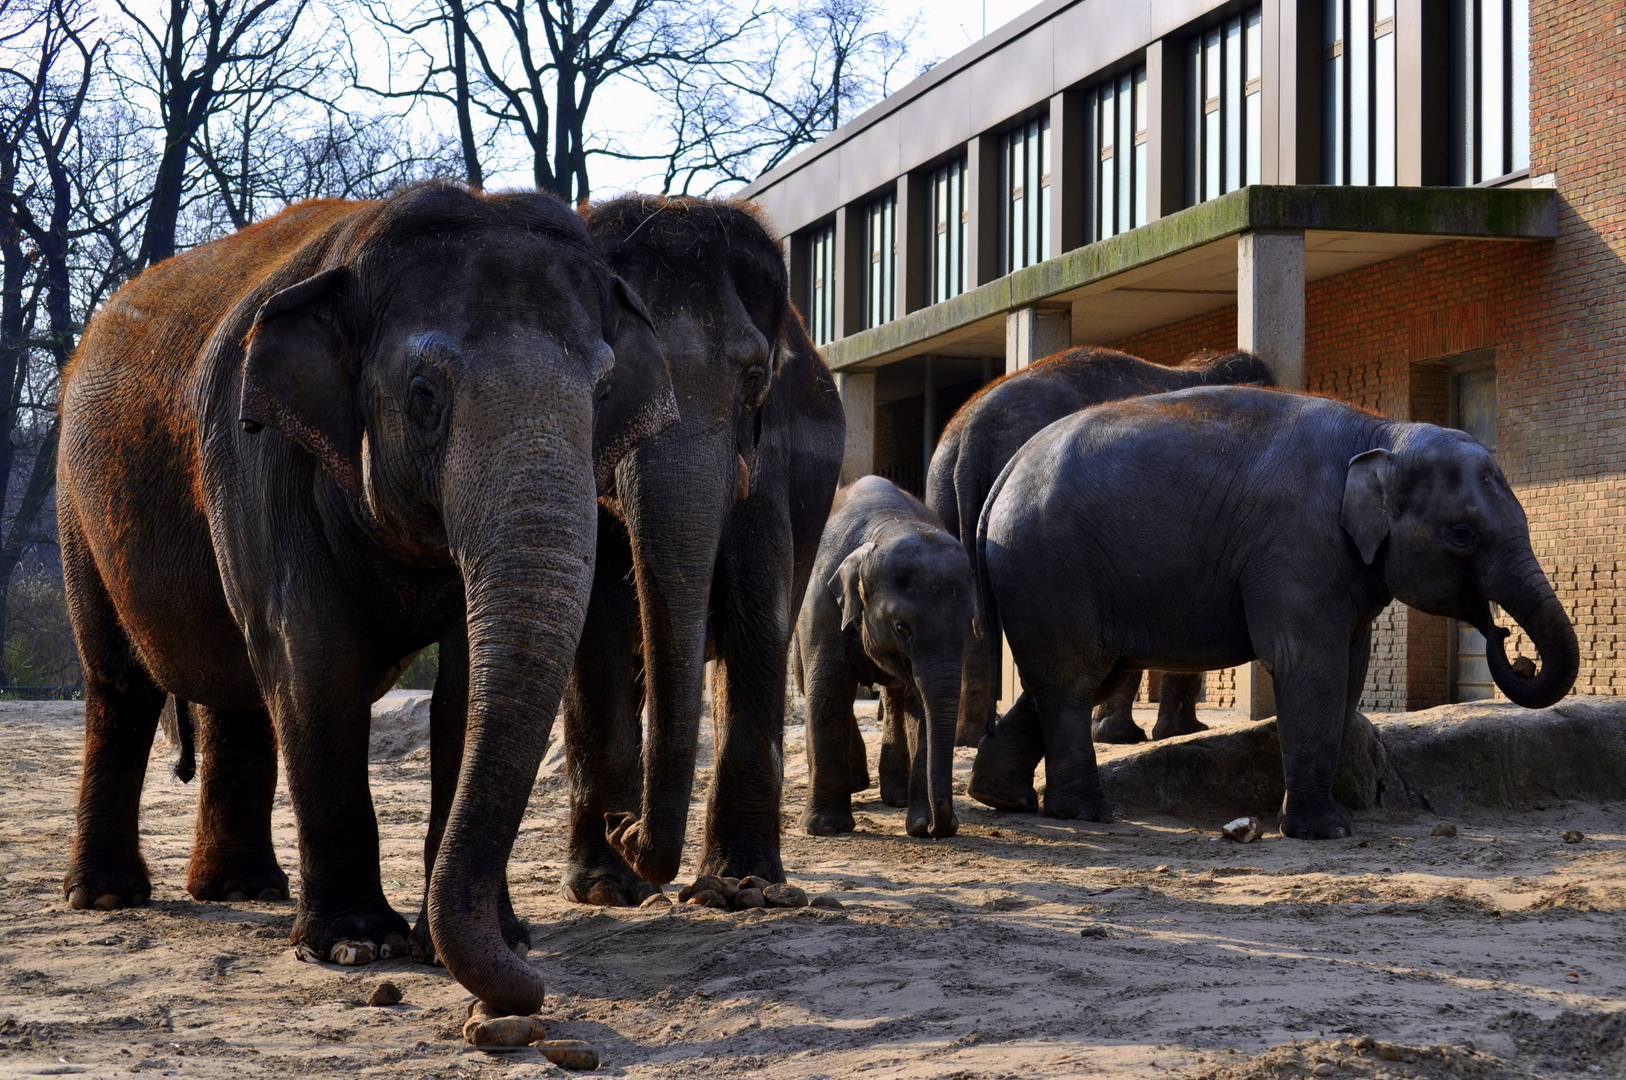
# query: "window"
{"points": [[880, 287], [945, 247], [1223, 129], [1490, 66], [1358, 92], [821, 284], [1024, 177], [1118, 112]]}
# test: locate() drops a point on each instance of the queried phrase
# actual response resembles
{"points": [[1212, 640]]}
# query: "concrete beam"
{"points": [[1270, 301], [857, 389]]}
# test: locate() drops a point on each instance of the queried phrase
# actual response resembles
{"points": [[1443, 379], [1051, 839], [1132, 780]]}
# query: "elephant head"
{"points": [[910, 594], [715, 281], [1439, 519], [464, 367]]}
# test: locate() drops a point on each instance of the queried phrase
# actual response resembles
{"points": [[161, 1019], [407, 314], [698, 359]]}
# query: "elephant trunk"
{"points": [[939, 688], [523, 537], [1530, 600], [675, 496]]}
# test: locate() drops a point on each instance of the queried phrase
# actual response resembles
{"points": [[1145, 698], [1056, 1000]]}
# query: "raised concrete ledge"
{"points": [[1427, 214]]}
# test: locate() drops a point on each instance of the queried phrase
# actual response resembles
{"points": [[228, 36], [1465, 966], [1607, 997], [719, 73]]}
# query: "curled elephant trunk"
{"points": [[940, 695], [527, 567], [1533, 605], [676, 493]]}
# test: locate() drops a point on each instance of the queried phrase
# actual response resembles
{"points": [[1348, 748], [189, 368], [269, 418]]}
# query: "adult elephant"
{"points": [[1270, 526], [987, 432], [292, 458], [722, 515]]}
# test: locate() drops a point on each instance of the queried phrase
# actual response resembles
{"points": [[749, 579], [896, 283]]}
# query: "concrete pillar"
{"points": [[857, 391], [1270, 302], [928, 425], [1270, 322], [1035, 333]]}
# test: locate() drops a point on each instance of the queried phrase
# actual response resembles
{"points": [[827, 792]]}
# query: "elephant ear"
{"points": [[1366, 501], [295, 377], [639, 401], [847, 584]]}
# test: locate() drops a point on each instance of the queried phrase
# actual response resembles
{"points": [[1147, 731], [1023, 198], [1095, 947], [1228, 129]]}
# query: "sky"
{"points": [[947, 27]]}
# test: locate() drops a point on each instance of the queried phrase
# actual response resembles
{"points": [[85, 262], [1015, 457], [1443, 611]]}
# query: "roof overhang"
{"points": [[1186, 264]]}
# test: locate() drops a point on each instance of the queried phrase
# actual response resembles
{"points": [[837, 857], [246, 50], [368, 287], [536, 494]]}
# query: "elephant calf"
{"points": [[890, 604], [1269, 526]]}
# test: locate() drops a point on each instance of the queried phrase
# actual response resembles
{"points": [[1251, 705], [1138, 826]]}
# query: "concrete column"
{"points": [[1269, 322], [1035, 333], [1166, 144], [857, 391], [982, 206], [928, 426], [1270, 302]]}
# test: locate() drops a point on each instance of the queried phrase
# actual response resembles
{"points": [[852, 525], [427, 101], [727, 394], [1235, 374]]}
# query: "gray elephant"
{"points": [[988, 431], [889, 604], [292, 458], [1270, 526]]}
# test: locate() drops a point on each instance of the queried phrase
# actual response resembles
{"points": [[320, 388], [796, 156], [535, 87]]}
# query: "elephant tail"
{"points": [[186, 765]]}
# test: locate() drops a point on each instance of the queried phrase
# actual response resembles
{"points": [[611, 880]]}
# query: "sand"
{"points": [[1022, 948]]}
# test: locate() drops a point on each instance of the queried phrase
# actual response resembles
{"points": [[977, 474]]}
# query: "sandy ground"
{"points": [[1023, 948]]}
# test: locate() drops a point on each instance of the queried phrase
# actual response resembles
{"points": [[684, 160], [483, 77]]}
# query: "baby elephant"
{"points": [[889, 604]]}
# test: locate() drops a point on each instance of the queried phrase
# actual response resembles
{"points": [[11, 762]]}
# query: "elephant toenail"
{"points": [[79, 898], [108, 902], [305, 952], [395, 945], [352, 953], [236, 896], [271, 895], [521, 949]]}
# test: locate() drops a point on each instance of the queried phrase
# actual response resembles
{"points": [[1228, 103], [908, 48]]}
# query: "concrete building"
{"points": [[1412, 205]]}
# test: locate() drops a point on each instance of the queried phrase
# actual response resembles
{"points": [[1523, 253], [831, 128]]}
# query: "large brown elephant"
{"points": [[722, 516], [987, 432], [292, 458]]}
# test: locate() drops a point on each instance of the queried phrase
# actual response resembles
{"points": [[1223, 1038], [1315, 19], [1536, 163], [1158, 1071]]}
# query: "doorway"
{"points": [[1473, 409]]}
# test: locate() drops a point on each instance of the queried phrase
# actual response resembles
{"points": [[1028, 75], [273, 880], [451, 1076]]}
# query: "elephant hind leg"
{"points": [[896, 751], [122, 704], [232, 855], [1177, 707], [1072, 780], [1115, 717]]}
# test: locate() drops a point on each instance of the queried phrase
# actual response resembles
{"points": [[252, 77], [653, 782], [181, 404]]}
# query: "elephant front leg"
{"points": [[233, 858], [1177, 705], [831, 726], [1115, 717], [1312, 701], [322, 714], [896, 753], [1002, 773], [602, 706]]}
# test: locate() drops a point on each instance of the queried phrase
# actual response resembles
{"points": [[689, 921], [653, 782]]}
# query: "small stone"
{"points": [[654, 900], [826, 901], [745, 899], [708, 898], [1244, 830], [995, 833], [1391, 1052], [1573, 836], [1163, 869], [1095, 932], [1446, 830], [385, 993], [569, 1053], [784, 896], [1323, 1069]]}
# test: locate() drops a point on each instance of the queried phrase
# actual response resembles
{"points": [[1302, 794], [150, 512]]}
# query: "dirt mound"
{"points": [[1313, 1059], [1572, 1041]]}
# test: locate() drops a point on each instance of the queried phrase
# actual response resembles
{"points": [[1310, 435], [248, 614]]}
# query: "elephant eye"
{"points": [[423, 403], [902, 628], [1462, 536], [752, 382]]}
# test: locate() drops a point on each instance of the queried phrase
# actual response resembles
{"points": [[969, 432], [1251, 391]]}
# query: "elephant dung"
{"points": [[826, 901], [385, 993], [749, 898], [491, 1032], [1446, 830], [1244, 830], [569, 1053], [708, 898], [654, 900], [754, 882], [784, 896], [1573, 836]]}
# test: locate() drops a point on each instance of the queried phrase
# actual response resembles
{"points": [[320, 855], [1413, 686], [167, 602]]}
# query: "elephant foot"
{"points": [[1180, 725], [743, 862], [923, 823], [895, 789], [1326, 823], [214, 876], [605, 885], [358, 936], [1002, 775], [107, 888], [1116, 727], [1088, 805], [828, 821]]}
